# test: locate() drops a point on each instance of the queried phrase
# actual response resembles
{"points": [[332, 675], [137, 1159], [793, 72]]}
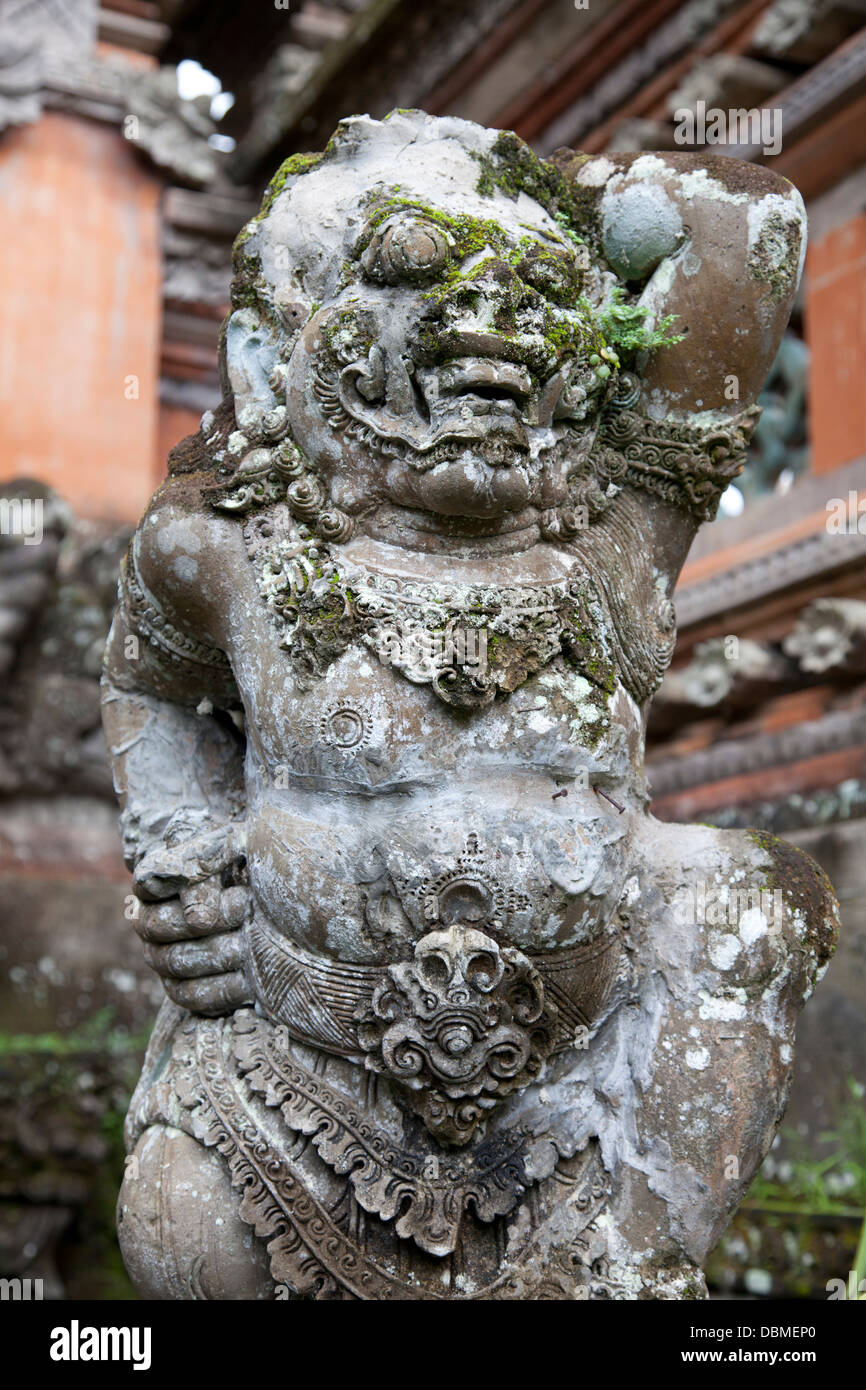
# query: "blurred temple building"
{"points": [[136, 139]]}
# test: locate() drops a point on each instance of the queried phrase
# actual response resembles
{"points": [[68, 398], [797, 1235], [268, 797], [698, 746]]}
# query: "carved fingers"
{"points": [[201, 910], [167, 869], [193, 942], [212, 995], [183, 960]]}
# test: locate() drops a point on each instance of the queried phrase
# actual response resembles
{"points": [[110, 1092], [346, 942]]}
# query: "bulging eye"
{"points": [[557, 277], [409, 250]]}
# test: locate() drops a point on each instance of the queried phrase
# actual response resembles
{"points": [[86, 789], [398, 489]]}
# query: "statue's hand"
{"points": [[190, 921]]}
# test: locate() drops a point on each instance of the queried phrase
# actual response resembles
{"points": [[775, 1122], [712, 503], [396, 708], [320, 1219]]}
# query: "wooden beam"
{"points": [[732, 35], [582, 65], [258, 144], [442, 97], [131, 31], [765, 784], [836, 81], [828, 154], [213, 214]]}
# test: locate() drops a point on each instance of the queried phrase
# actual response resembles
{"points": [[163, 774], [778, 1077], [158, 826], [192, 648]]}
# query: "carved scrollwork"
{"points": [[462, 1025], [687, 464], [235, 1086], [422, 1188], [325, 1003]]}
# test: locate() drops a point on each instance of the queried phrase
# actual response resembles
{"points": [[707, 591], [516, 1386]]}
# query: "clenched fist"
{"points": [[192, 906]]}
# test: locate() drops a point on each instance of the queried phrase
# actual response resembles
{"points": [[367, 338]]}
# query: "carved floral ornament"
{"points": [[460, 1026]]}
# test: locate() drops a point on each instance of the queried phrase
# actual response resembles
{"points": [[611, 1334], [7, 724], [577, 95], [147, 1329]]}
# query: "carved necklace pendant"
{"points": [[468, 642]]}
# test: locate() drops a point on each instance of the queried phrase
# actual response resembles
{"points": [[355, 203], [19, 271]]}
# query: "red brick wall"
{"points": [[836, 331], [80, 290], [175, 423]]}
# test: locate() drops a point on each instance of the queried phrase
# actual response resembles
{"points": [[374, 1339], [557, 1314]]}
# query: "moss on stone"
{"points": [[248, 282], [512, 168], [775, 257], [290, 168], [614, 332], [624, 327], [468, 235], [807, 890]]}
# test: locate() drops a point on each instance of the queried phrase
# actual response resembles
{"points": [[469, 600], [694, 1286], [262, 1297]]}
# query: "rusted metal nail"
{"points": [[599, 791]]}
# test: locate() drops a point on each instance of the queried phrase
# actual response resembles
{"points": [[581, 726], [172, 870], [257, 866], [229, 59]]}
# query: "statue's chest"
{"points": [[363, 727], [367, 676]]}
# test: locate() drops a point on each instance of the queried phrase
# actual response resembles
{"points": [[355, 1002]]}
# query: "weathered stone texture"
{"points": [[448, 1014]]}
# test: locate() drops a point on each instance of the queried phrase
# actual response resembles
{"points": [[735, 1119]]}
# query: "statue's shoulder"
{"points": [[175, 522], [183, 550], [799, 898], [187, 558]]}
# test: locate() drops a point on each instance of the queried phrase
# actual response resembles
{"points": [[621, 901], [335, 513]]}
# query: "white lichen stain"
{"points": [[723, 950], [177, 534], [721, 1009], [753, 925], [185, 567], [698, 1058], [540, 723]]}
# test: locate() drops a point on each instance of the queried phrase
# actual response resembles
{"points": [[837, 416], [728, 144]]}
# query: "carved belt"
{"points": [[460, 1026]]}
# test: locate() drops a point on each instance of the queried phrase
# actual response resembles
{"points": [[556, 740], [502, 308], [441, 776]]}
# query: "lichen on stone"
{"points": [[775, 255]]}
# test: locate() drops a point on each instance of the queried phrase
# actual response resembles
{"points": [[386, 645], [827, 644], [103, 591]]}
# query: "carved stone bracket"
{"points": [[830, 636]]}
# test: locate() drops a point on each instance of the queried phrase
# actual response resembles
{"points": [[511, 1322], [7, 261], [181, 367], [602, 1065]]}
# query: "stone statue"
{"points": [[449, 1015]]}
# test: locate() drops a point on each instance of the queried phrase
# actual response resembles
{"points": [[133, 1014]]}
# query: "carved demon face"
{"points": [[447, 359], [458, 354]]}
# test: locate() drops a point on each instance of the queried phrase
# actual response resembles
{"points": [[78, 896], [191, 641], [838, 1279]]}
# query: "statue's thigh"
{"points": [[178, 1228]]}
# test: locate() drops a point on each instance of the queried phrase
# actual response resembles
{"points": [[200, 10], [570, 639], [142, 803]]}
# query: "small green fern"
{"points": [[624, 327]]}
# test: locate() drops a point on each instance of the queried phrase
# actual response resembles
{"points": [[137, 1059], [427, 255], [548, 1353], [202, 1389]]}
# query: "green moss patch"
{"points": [[512, 168], [623, 326], [807, 889]]}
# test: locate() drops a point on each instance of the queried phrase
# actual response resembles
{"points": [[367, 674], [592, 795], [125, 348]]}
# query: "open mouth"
{"points": [[489, 386], [468, 400]]}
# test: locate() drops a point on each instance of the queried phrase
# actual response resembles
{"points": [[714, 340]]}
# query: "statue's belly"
{"points": [[363, 879]]}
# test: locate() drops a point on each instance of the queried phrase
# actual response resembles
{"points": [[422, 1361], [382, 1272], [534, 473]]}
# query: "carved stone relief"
{"points": [[436, 1026]]}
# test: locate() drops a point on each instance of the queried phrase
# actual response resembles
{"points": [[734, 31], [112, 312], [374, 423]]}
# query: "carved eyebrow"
{"points": [[547, 236], [386, 214]]}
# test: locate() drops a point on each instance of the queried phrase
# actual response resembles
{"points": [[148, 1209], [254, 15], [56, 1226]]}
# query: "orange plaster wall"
{"points": [[175, 423], [81, 314], [836, 332]]}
